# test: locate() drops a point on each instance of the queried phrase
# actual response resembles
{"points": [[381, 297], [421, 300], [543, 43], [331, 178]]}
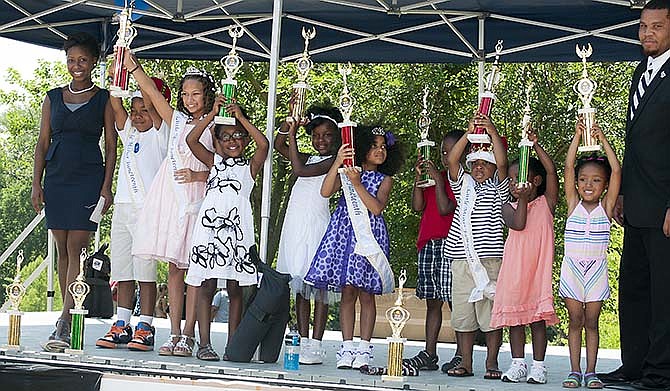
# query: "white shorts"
{"points": [[125, 267]]}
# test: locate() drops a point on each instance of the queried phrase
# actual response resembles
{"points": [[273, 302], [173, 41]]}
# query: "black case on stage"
{"points": [[96, 271], [265, 320]]}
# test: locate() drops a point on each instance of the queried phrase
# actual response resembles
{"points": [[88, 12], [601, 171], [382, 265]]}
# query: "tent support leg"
{"points": [[269, 130]]}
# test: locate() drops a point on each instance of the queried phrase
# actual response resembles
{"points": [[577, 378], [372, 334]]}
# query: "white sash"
{"points": [[366, 244], [179, 123], [484, 287], [133, 176]]}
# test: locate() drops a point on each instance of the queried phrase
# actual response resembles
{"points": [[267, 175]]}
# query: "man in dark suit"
{"points": [[644, 280]]}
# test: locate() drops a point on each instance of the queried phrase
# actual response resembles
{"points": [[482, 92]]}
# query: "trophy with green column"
{"points": [[397, 317], [302, 65], [525, 144], [79, 289], [425, 145], [585, 88], [15, 292], [231, 64]]}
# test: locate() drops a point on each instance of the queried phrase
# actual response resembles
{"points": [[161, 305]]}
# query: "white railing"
{"points": [[47, 263]]}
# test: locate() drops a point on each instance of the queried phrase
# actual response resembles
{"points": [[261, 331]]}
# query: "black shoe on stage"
{"points": [[616, 376]]}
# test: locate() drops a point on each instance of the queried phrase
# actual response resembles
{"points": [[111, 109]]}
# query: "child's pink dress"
{"points": [[167, 219], [523, 292]]}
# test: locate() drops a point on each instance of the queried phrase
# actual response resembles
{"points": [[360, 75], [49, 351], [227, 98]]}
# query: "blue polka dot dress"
{"points": [[335, 264]]}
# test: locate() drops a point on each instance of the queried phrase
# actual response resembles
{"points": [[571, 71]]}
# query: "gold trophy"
{"points": [[302, 65], [397, 317], [585, 88], [525, 144], [125, 36], [15, 292], [347, 126], [231, 64], [79, 289], [425, 145]]}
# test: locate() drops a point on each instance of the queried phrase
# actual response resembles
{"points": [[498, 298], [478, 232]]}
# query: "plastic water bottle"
{"points": [[292, 351]]}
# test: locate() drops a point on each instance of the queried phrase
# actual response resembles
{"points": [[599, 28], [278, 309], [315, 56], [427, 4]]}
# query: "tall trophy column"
{"points": [[125, 36], [397, 317], [15, 292], [425, 145], [231, 64], [525, 144], [302, 65], [79, 289], [479, 135], [346, 106], [585, 88]]}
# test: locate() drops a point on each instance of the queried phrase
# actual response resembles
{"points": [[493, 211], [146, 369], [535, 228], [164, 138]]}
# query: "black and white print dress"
{"points": [[224, 230]]}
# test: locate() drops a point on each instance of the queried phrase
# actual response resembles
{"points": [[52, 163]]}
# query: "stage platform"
{"points": [[36, 328]]}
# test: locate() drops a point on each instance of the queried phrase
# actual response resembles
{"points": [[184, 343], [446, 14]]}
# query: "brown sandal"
{"points": [[459, 372], [184, 347], [207, 353]]}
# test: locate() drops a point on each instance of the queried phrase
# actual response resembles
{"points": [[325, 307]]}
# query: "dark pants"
{"points": [[644, 304]]}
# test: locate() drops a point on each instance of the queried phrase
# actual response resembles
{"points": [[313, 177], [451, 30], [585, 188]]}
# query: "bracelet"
{"points": [[134, 69], [283, 133]]}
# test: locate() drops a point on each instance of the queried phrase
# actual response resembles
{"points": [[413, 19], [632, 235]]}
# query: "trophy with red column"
{"points": [[125, 35], [425, 145], [479, 135], [231, 64], [585, 88], [302, 65], [525, 144], [346, 106], [14, 293]]}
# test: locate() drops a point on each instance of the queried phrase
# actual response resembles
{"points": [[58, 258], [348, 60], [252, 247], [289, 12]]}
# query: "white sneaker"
{"points": [[538, 374], [345, 358], [311, 354], [363, 357], [517, 372]]}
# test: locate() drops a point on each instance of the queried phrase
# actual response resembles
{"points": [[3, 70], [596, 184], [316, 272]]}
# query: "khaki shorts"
{"points": [[467, 317], [125, 267]]}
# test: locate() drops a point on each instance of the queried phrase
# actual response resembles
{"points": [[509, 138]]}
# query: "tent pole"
{"points": [[481, 60], [269, 129]]}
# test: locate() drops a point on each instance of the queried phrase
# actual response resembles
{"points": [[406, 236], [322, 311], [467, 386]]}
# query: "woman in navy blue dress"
{"points": [[68, 158]]}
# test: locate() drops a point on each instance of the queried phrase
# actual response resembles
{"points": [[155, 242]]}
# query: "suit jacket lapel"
{"points": [[658, 79]]}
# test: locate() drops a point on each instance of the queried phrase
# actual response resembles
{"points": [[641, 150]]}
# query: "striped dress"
{"points": [[584, 267]]}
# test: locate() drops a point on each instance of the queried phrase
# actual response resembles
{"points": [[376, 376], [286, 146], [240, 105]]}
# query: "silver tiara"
{"points": [[312, 117], [193, 71], [378, 131]]}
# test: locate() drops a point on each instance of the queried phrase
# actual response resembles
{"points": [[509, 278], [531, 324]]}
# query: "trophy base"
{"points": [[74, 352], [290, 120], [397, 379], [224, 120], [426, 183], [522, 185], [341, 169], [476, 138], [13, 348], [590, 148], [119, 93], [525, 143], [425, 143]]}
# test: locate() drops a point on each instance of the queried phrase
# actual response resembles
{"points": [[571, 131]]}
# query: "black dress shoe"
{"points": [[650, 384], [616, 376]]}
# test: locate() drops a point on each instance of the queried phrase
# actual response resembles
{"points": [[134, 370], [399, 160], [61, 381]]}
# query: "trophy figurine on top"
{"points": [[346, 106], [424, 145], [585, 88], [302, 65], [479, 135], [397, 317], [15, 292], [79, 289], [525, 144], [125, 35], [231, 64]]}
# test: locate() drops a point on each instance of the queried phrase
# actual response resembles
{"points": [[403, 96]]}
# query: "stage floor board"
{"points": [[36, 327]]}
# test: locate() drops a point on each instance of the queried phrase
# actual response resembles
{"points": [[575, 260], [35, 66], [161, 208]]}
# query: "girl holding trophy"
{"points": [[352, 257], [173, 200], [583, 283], [303, 228], [523, 293]]}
